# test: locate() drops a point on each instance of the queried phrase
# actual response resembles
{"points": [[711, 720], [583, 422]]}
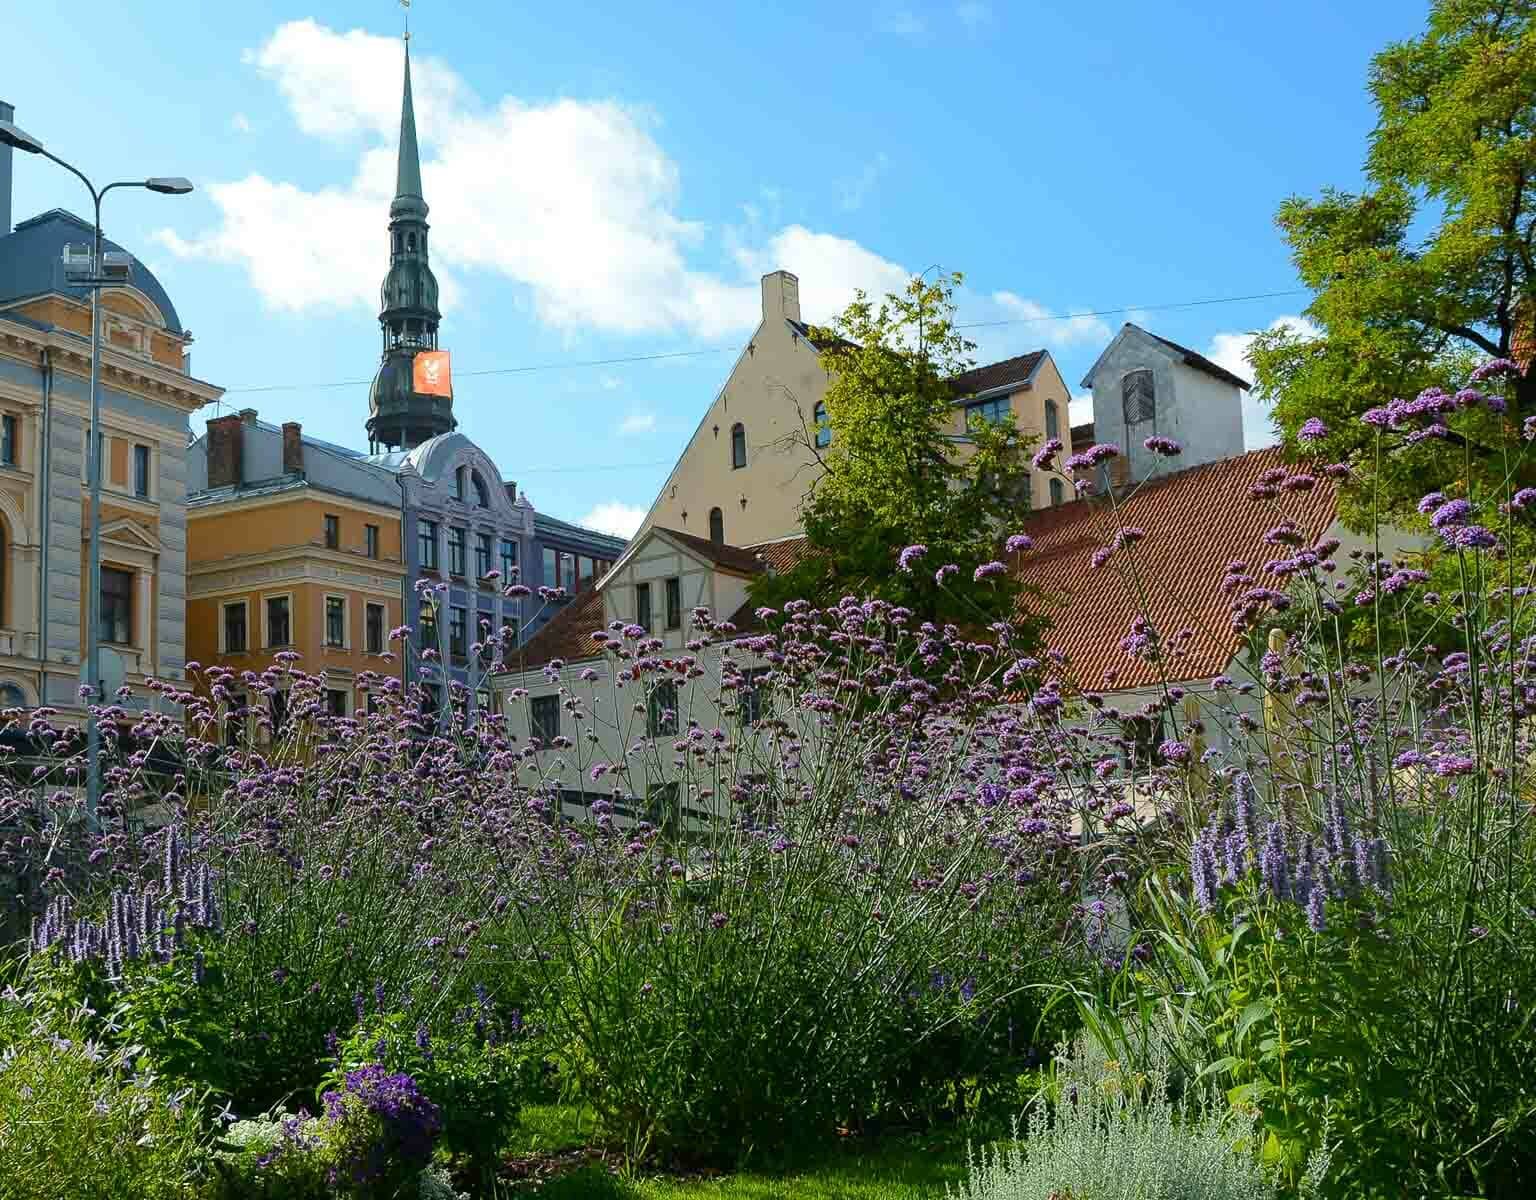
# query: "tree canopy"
{"points": [[1428, 269], [895, 472]]}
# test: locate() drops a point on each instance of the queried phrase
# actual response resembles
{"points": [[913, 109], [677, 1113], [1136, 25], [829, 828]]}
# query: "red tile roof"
{"points": [[567, 634], [782, 554], [722, 554], [1196, 521]]}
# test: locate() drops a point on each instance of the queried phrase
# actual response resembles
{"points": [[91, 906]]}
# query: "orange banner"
{"points": [[431, 374]]}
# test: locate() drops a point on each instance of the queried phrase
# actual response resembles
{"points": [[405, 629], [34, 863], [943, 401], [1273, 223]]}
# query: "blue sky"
{"points": [[608, 180]]}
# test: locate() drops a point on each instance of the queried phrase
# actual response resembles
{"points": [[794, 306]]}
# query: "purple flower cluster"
{"points": [[409, 1123]]}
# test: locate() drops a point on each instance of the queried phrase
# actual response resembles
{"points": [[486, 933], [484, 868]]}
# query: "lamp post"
{"points": [[95, 275]]}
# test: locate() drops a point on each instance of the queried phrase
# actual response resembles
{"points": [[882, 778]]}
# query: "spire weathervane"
{"points": [[406, 5]]}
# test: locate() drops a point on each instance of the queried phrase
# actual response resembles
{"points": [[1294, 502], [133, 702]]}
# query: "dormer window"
{"points": [[482, 497], [738, 446], [1138, 397]]}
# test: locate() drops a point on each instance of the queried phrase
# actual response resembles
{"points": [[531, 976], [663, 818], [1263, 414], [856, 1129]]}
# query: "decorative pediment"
{"points": [[130, 534]]}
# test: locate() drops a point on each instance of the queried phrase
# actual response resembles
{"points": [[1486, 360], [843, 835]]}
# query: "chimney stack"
{"points": [[7, 113], [248, 417], [226, 443], [781, 296], [293, 448]]}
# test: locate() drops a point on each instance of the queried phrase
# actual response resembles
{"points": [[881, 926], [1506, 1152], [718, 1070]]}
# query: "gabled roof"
{"points": [[1018, 371], [727, 557], [1189, 357], [1196, 522]]}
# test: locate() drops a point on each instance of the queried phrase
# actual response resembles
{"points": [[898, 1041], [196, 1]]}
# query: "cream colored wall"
{"points": [[654, 563], [773, 391], [1028, 405]]}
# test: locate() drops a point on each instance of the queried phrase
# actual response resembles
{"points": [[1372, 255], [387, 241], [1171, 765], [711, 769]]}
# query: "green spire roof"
{"points": [[408, 197]]}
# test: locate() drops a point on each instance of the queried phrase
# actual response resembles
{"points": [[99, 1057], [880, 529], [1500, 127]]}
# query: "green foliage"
{"points": [[1431, 264], [1113, 1132], [895, 472], [81, 1119], [479, 1085]]}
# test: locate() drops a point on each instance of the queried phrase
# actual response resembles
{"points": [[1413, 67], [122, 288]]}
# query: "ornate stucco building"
{"points": [[147, 397]]}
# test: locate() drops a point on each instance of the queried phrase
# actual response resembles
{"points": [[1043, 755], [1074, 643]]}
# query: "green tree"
{"points": [[1428, 270], [895, 472]]}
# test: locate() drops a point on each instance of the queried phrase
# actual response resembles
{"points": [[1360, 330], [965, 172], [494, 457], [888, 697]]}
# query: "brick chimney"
{"points": [[293, 448], [781, 296], [226, 444]]}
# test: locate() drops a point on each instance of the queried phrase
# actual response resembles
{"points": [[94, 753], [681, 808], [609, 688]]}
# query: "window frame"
{"points": [[458, 631], [643, 612], [753, 702], [822, 437], [738, 446], [656, 706], [1052, 419], [994, 410], [371, 541], [673, 589], [141, 467], [717, 525], [126, 598], [550, 561], [330, 709], [482, 493], [508, 647], [266, 620], [10, 440], [508, 558], [458, 551], [326, 603], [485, 545], [370, 607], [245, 626], [540, 708], [332, 528], [427, 547], [1058, 492]]}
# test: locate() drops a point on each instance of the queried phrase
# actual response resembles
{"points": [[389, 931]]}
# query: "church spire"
{"points": [[408, 195], [408, 317]]}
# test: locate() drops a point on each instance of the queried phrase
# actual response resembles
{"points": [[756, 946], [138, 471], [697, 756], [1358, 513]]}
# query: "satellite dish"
{"points": [[113, 671]]}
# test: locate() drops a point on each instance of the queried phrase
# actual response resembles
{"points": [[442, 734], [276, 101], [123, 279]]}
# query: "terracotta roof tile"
{"points": [[567, 635], [782, 554], [1196, 521], [991, 375], [732, 558]]}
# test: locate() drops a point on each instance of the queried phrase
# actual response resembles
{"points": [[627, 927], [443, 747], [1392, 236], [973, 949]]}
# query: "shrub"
{"points": [[1111, 1132], [80, 1119]]}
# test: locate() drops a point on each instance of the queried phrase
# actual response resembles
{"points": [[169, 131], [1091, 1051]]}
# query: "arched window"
{"points": [[717, 526], [482, 497], [12, 696], [410, 242], [1052, 420], [738, 446], [1058, 492], [460, 490], [823, 427], [1138, 398]]}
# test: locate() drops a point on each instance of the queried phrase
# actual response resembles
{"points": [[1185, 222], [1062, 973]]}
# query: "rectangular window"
{"points": [[483, 702], [234, 628], [551, 568], [335, 621], [427, 626], [753, 696], [426, 544], [371, 541], [458, 631], [584, 569], [141, 471], [373, 628], [544, 718], [482, 555], [996, 411], [458, 482], [335, 702], [508, 560], [674, 603], [567, 571], [8, 440], [1058, 492], [278, 631], [279, 709], [332, 532], [510, 627], [643, 606], [116, 605], [661, 710], [455, 550]]}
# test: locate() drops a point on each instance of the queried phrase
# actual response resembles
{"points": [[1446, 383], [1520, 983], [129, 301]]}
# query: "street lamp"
{"points": [[96, 273]]}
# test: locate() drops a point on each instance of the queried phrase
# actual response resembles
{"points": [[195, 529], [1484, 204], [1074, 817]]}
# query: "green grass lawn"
{"points": [[897, 1168]]}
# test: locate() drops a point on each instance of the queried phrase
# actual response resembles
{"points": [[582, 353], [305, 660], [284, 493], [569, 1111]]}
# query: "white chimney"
{"points": [[781, 296]]}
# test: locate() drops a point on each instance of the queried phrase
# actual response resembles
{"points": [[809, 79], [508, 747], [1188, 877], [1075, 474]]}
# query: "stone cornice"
{"points": [[72, 354], [303, 564]]}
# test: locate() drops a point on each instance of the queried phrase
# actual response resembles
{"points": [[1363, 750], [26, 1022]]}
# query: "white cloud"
{"points": [[615, 517], [637, 423], [901, 21], [830, 269], [857, 189], [973, 15], [1080, 409], [1062, 329], [1230, 350], [240, 123]]}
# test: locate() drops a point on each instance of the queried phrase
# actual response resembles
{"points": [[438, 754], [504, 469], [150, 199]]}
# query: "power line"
{"points": [[660, 462], [698, 353]]}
